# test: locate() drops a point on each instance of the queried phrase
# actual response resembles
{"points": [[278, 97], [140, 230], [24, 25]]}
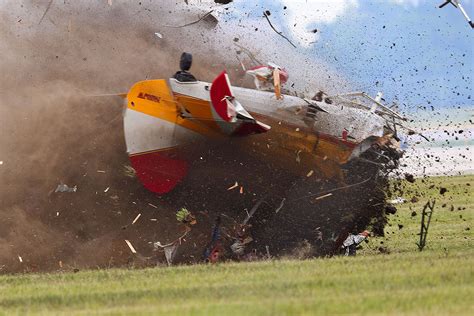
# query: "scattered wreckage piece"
{"points": [[208, 17], [426, 214], [349, 246], [397, 200], [170, 249], [130, 246], [253, 210], [269, 77], [136, 218], [214, 248], [65, 188], [457, 4], [236, 184], [266, 14]]}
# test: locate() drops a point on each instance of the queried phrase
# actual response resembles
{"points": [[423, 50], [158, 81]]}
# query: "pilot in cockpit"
{"points": [[185, 64]]}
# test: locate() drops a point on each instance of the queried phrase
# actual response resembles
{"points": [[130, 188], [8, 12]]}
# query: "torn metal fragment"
{"points": [[170, 252]]}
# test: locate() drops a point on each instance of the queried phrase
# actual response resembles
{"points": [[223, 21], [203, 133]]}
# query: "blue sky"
{"points": [[406, 48]]}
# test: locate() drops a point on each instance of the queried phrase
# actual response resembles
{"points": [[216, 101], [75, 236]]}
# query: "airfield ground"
{"points": [[389, 276]]}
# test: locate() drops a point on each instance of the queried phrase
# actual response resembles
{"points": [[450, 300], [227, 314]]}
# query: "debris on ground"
{"points": [[349, 246], [159, 35], [65, 188], [214, 248], [171, 248], [397, 200], [170, 252]]}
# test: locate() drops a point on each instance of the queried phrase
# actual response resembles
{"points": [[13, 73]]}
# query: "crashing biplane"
{"points": [[165, 120]]}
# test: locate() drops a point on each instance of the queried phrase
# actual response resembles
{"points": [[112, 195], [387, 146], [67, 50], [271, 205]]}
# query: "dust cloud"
{"points": [[58, 60]]}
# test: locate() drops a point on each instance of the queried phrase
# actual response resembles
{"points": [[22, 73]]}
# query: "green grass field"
{"points": [[437, 281]]}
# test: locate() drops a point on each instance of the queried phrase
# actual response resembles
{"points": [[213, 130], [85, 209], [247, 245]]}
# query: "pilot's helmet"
{"points": [[186, 61]]}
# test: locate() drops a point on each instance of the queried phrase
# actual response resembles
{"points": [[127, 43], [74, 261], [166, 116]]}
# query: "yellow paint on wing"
{"points": [[154, 97]]}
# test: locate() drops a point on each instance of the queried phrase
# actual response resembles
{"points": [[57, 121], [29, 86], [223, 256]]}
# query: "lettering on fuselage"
{"points": [[150, 97]]}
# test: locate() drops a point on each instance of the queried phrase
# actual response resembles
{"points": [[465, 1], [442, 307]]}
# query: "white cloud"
{"points": [[303, 14], [413, 3], [416, 3]]}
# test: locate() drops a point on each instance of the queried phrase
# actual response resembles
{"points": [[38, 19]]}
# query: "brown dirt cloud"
{"points": [[52, 130]]}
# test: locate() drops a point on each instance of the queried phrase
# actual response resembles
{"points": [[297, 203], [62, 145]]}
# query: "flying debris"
{"points": [[65, 188], [457, 4], [292, 153], [269, 77]]}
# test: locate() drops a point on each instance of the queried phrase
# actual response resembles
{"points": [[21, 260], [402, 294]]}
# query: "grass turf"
{"points": [[437, 281]]}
